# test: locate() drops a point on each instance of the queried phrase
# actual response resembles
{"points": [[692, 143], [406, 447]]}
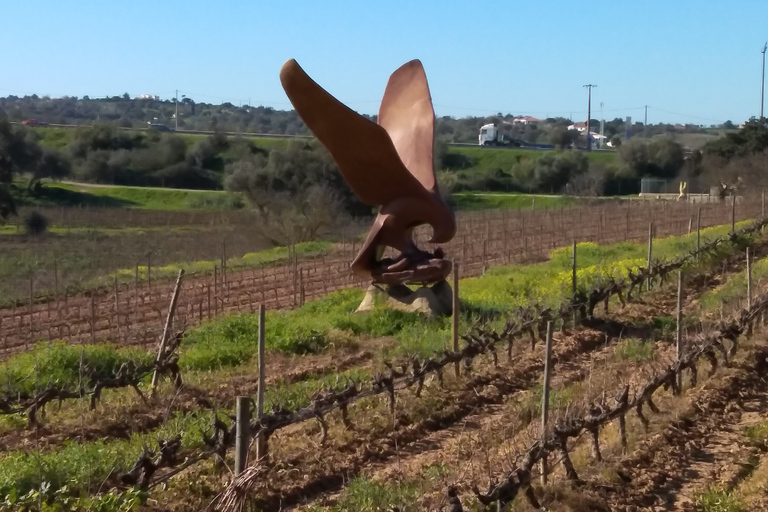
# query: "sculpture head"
{"points": [[388, 164]]}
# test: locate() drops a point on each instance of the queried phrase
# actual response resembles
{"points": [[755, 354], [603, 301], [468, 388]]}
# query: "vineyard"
{"points": [[130, 310], [646, 344]]}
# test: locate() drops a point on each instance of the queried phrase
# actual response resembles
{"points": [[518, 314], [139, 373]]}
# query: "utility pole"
{"points": [[176, 116], [645, 123], [589, 112], [602, 123], [762, 82]]}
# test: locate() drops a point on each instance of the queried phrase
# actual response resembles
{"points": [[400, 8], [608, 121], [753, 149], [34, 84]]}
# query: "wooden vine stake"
{"points": [[573, 282], [749, 293], [455, 319], [679, 333], [167, 328], [749, 280], [545, 398], [242, 436], [261, 441], [650, 254], [698, 233]]}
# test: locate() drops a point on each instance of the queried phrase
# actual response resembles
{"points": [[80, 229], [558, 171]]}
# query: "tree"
{"points": [[616, 141], [296, 193], [285, 214], [751, 139], [19, 152], [665, 156], [51, 165], [728, 125], [553, 171], [660, 157]]}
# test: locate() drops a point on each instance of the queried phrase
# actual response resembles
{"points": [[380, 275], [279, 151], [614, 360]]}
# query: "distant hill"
{"points": [[139, 112]]}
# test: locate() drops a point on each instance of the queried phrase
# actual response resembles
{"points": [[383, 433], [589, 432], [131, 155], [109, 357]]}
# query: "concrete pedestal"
{"points": [[432, 301]]}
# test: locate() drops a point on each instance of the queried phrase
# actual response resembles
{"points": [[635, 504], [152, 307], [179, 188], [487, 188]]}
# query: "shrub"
{"points": [[35, 223]]}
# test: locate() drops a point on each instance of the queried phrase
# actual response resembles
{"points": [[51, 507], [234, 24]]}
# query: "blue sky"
{"points": [[689, 61]]}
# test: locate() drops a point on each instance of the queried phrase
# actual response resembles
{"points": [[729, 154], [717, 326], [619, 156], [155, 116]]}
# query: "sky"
{"points": [[689, 61]]}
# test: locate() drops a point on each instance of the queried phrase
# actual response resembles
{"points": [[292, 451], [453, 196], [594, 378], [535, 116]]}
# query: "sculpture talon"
{"points": [[387, 164]]}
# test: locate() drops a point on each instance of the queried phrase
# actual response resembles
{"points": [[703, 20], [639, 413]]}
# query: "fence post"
{"points": [[93, 317], [224, 262], [733, 214], [261, 442], [749, 280], [301, 288], [31, 303], [650, 253], [679, 332], [167, 328], [690, 225], [149, 274], [243, 418], [209, 301], [136, 290], [626, 226], [117, 306], [56, 282], [293, 270], [455, 312], [762, 204], [698, 232], [545, 398], [573, 283]]}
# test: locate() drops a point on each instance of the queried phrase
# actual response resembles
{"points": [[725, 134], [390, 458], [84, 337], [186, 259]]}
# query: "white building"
{"points": [[578, 127]]}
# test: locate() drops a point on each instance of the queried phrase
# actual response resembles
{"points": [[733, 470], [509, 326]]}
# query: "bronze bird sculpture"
{"points": [[389, 164]]}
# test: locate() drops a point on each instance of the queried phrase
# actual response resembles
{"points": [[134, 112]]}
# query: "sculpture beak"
{"points": [[444, 230]]}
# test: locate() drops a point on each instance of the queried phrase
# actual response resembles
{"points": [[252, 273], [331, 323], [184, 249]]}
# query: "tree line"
{"points": [[128, 112]]}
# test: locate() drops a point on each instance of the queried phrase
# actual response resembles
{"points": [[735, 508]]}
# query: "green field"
{"points": [[165, 199], [147, 198], [490, 159], [500, 200], [58, 138]]}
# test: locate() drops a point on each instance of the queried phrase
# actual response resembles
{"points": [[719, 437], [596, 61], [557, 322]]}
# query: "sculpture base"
{"points": [[434, 270], [432, 301]]}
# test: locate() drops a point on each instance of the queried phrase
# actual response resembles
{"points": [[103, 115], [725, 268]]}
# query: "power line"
{"points": [[685, 115]]}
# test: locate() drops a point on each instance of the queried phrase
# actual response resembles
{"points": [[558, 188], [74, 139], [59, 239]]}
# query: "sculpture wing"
{"points": [[406, 113], [362, 150]]}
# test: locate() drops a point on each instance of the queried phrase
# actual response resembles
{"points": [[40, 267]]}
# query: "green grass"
{"points": [[496, 201], [147, 198], [64, 366], [757, 435], [734, 289], [635, 350], [310, 329], [231, 341], [365, 495], [331, 320], [716, 499], [87, 465], [248, 261], [58, 138]]}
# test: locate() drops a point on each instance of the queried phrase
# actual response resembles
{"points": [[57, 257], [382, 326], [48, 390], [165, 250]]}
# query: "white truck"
{"points": [[490, 136]]}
